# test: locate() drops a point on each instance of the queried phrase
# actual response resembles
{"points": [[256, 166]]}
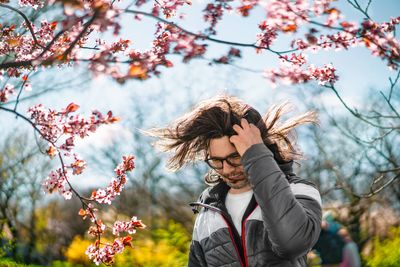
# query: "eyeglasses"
{"points": [[218, 163]]}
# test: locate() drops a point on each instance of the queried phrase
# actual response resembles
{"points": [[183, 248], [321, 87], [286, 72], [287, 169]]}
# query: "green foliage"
{"points": [[5, 262], [386, 253], [5, 244]]}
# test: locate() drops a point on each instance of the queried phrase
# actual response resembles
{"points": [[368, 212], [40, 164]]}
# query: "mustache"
{"points": [[230, 176]]}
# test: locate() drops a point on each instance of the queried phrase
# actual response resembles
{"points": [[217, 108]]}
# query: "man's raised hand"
{"points": [[247, 134]]}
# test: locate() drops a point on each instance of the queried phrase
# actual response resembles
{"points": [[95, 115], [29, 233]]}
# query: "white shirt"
{"points": [[236, 205]]}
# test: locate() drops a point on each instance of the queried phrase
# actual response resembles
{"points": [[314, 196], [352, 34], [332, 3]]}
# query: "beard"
{"points": [[236, 181]]}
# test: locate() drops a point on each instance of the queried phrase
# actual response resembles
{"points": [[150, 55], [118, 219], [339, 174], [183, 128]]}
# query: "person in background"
{"points": [[351, 255], [330, 244], [335, 246]]}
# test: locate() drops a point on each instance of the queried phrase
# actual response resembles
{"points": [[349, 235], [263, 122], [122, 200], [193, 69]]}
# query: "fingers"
{"points": [[233, 139], [244, 125], [237, 128]]}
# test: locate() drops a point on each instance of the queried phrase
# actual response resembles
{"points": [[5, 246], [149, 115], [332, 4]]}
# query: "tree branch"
{"points": [[27, 21], [357, 6], [356, 113], [206, 37]]}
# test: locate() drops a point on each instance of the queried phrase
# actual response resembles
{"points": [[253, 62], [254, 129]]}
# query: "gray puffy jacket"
{"points": [[279, 227]]}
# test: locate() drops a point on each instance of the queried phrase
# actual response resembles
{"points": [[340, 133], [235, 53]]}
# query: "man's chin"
{"points": [[238, 184]]}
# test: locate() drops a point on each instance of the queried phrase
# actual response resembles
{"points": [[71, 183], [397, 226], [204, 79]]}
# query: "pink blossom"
{"points": [[57, 180], [89, 211], [129, 227], [33, 3], [6, 92], [292, 73], [379, 38], [287, 15], [213, 13], [97, 229], [169, 7], [116, 185], [106, 253], [232, 53], [78, 166], [324, 75], [267, 36], [246, 6]]}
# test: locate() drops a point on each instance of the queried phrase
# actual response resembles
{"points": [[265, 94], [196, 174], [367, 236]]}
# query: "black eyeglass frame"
{"points": [[233, 155]]}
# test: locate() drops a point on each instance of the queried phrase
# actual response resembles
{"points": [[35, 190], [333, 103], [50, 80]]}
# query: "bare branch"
{"points": [[357, 6], [393, 84], [20, 90], [356, 113], [376, 191]]}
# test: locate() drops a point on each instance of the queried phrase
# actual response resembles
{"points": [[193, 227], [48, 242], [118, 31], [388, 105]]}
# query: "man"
{"points": [[257, 211]]}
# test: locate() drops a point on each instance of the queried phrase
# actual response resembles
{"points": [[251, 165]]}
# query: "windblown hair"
{"points": [[188, 137]]}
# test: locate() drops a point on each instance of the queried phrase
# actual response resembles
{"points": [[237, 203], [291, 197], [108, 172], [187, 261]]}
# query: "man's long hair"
{"points": [[188, 137]]}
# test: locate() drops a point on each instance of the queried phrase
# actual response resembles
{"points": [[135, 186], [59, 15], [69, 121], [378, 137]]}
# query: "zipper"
{"points": [[246, 263], [233, 241]]}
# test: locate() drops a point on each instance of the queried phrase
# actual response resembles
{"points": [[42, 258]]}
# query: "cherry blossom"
{"points": [[106, 253], [129, 227], [268, 35], [57, 181], [6, 92], [296, 74], [116, 185]]}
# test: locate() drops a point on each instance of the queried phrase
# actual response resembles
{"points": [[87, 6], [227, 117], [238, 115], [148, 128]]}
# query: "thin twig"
{"points": [[376, 191], [20, 90], [393, 84], [357, 114], [357, 6]]}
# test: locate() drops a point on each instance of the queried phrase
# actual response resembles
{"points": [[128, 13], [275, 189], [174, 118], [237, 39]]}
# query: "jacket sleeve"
{"points": [[196, 254], [291, 212]]}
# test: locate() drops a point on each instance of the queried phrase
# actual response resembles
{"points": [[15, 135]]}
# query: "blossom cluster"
{"points": [[58, 180], [129, 227], [116, 185], [169, 7], [213, 13], [33, 3], [106, 253], [293, 72], [53, 126], [232, 53], [380, 39], [6, 92]]}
